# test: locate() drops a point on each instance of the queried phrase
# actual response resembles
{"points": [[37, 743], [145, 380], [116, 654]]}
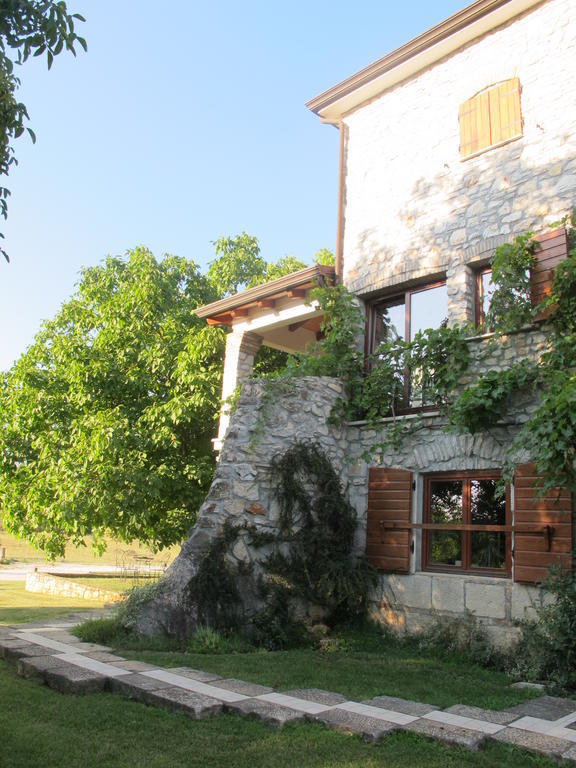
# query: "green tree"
{"points": [[27, 28], [106, 420]]}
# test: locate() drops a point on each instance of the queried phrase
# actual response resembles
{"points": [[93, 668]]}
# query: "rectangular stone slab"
{"points": [[498, 717], [405, 706], [448, 734], [37, 666], [194, 705], [317, 695], [545, 707], [194, 674], [535, 742], [25, 651], [240, 686], [136, 686], [71, 679], [270, 713], [369, 728]]}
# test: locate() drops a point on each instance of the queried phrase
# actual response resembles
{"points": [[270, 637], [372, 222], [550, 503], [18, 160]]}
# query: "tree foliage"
{"points": [[107, 418], [27, 28]]}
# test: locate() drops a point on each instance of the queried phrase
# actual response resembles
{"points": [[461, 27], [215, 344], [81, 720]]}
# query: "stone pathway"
{"points": [[50, 654]]}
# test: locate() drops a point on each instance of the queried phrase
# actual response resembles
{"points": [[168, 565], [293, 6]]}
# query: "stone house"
{"points": [[449, 146]]}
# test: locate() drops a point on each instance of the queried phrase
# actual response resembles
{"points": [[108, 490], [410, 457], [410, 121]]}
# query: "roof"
{"points": [[294, 285], [459, 29]]}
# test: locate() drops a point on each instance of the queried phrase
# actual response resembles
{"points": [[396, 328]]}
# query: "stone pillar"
{"points": [[241, 347], [461, 289]]}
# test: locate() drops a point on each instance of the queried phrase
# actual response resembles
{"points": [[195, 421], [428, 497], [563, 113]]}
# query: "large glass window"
{"points": [[465, 519], [402, 317]]}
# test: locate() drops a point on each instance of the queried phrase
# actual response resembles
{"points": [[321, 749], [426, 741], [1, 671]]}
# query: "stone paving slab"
{"points": [[239, 686], [48, 642], [195, 685], [489, 715], [534, 742], [300, 705], [195, 674], [370, 728], [378, 713], [136, 686], [316, 695], [71, 679], [9, 643], [25, 651], [133, 666], [109, 658], [85, 662], [449, 734], [468, 723], [401, 705], [194, 705], [546, 708], [37, 666], [270, 713]]}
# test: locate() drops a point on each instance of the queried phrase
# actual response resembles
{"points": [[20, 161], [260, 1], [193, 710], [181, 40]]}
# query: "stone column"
{"points": [[241, 347]]}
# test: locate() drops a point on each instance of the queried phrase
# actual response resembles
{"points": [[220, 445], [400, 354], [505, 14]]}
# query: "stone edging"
{"points": [[50, 584], [53, 656]]}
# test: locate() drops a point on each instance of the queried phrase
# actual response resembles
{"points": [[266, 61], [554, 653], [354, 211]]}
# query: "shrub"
{"points": [[547, 648]]}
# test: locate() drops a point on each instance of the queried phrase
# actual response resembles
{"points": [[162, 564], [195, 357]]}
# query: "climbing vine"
{"points": [[309, 561]]}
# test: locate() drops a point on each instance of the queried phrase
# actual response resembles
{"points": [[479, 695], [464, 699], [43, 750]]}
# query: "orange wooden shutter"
{"points": [[551, 248], [505, 115], [490, 118], [534, 551], [389, 502]]}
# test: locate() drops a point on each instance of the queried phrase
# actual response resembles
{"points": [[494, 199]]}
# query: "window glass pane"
{"points": [[446, 501], [445, 548], [487, 289], [428, 309], [488, 549], [487, 506], [390, 322]]}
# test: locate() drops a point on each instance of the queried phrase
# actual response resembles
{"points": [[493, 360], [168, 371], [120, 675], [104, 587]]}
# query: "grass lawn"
{"points": [[18, 606], [41, 727], [117, 553], [392, 670], [114, 583]]}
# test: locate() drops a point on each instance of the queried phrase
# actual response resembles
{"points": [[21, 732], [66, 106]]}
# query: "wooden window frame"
{"points": [[480, 118], [466, 528], [479, 296], [370, 337]]}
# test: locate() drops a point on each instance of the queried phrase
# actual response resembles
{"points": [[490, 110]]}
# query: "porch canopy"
{"points": [[277, 314]]}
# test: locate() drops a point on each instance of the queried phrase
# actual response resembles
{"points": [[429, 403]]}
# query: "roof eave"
{"points": [[459, 29], [293, 280]]}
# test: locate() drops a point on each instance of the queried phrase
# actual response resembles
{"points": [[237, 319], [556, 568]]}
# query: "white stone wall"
{"points": [[413, 209]]}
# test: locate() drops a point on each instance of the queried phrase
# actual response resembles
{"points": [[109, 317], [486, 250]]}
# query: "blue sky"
{"points": [[184, 122]]}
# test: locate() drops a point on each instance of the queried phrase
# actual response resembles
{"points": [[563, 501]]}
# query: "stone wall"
{"points": [[269, 418], [266, 421], [48, 584], [414, 210]]}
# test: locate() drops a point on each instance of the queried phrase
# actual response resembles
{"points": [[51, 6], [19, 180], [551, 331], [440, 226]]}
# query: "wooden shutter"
{"points": [[551, 248], [490, 118], [536, 547], [389, 504], [505, 115]]}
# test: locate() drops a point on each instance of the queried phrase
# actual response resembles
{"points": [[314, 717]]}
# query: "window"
{"points": [[402, 317], [465, 518], [490, 118], [484, 291]]}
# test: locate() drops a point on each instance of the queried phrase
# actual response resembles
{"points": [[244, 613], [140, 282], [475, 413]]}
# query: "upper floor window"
{"points": [[402, 317], [484, 291], [490, 118]]}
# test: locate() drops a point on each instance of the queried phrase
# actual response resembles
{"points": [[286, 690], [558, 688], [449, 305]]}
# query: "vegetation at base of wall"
{"points": [[547, 649], [309, 561]]}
